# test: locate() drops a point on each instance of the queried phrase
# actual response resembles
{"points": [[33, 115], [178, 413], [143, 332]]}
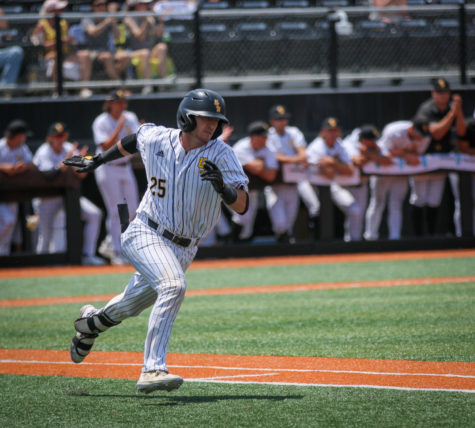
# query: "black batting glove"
{"points": [[212, 174], [84, 163]]}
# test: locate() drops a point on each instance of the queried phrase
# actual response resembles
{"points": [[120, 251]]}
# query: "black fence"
{"points": [[263, 47]]}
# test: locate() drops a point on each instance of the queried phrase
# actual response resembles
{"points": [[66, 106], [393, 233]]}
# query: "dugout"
{"points": [[353, 106]]}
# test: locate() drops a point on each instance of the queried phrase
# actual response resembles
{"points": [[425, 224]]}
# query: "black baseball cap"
{"points": [[368, 132], [421, 126], [116, 95], [258, 128], [17, 126], [278, 112], [330, 123], [441, 85], [57, 128]]}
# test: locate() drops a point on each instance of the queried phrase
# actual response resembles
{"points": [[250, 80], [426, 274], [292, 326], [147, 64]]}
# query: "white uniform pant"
{"points": [[8, 219], [309, 198], [159, 281], [427, 189], [391, 190], [354, 208], [282, 201], [50, 211], [116, 184], [248, 219]]}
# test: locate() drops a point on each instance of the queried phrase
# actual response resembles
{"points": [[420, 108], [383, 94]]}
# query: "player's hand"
{"points": [[84, 163], [212, 174]]}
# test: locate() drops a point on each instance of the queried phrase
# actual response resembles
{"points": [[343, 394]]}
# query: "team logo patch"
{"points": [[201, 163], [160, 154]]}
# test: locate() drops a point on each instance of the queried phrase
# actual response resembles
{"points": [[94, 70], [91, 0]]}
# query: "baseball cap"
{"points": [[330, 123], [421, 126], [52, 5], [57, 128], [15, 127], [368, 132], [258, 128], [116, 95], [278, 112], [441, 85]]}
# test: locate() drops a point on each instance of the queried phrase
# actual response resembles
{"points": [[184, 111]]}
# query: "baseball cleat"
{"points": [[158, 380]]}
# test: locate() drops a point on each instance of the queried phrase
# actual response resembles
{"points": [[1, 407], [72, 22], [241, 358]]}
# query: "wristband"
{"points": [[229, 195]]}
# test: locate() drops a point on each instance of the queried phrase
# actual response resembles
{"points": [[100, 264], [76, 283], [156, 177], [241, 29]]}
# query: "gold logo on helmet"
{"points": [[217, 105]]}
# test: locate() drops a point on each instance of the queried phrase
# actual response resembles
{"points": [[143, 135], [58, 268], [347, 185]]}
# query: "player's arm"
{"points": [[236, 199], [124, 147]]}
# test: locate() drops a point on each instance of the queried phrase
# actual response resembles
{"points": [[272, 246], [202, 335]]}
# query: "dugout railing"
{"points": [[273, 48]]}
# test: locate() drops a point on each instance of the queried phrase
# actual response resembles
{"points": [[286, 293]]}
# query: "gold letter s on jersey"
{"points": [[201, 162], [159, 184]]}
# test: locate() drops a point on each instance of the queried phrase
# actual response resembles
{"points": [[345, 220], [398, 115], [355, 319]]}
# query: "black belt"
{"points": [[183, 242]]}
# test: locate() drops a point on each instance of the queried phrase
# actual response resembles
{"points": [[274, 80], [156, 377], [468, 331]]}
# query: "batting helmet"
{"points": [[203, 103]]}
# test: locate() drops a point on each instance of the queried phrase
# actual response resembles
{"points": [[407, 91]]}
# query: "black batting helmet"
{"points": [[203, 103]]}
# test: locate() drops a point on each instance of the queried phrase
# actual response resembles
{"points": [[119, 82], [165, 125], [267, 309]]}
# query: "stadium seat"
{"points": [[259, 46], [449, 29], [253, 4], [219, 48], [293, 3], [301, 48], [333, 3], [181, 46], [215, 5]]}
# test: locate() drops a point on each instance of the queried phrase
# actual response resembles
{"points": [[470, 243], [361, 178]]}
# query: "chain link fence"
{"points": [[266, 47]]}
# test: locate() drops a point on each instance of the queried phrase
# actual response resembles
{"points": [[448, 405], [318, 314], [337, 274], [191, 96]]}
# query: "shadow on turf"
{"points": [[173, 401]]}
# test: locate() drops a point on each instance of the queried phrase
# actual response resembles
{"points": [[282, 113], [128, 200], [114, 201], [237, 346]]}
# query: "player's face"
{"points": [[56, 141], [205, 127], [258, 141], [117, 107], [330, 135], [279, 124], [16, 141], [441, 98]]}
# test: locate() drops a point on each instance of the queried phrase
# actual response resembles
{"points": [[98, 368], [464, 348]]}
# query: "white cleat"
{"points": [[158, 380]]}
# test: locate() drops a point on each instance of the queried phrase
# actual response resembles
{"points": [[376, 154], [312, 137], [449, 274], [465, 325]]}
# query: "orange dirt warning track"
{"points": [[303, 371]]}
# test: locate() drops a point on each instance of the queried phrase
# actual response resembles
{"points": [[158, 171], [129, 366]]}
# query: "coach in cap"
{"points": [[261, 166], [445, 118]]}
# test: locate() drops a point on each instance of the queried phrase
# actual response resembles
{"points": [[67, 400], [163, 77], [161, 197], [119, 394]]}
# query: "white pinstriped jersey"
{"points": [[176, 197], [104, 125]]}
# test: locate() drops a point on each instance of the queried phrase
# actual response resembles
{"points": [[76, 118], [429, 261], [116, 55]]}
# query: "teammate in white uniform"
{"points": [[189, 172], [327, 151], [362, 147], [403, 139], [289, 146], [15, 158], [261, 166], [48, 159], [116, 180]]}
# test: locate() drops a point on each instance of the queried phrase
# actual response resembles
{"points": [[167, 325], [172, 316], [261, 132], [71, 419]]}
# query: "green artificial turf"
{"points": [[428, 322], [224, 278], [66, 402]]}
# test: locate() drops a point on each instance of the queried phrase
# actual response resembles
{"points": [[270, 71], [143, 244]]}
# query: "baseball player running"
{"points": [[189, 172]]}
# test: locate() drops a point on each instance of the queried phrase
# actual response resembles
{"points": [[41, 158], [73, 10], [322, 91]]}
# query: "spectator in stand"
{"points": [[100, 34], [15, 158], [362, 147], [402, 139], [115, 180], [389, 17], [11, 58], [75, 67], [261, 166], [282, 199], [466, 144], [327, 151], [48, 159], [145, 42], [443, 112]]}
